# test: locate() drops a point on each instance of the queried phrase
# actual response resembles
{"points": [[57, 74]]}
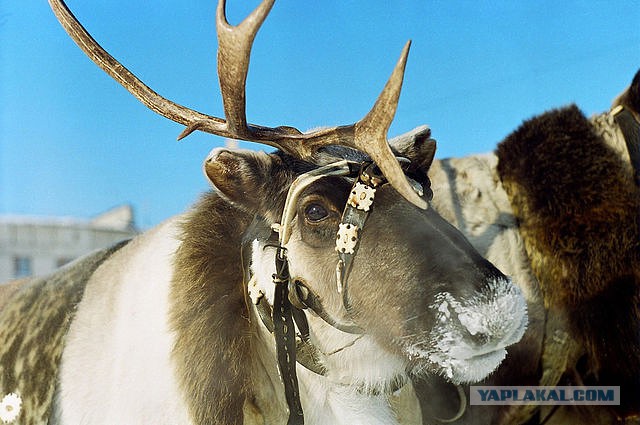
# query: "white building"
{"points": [[37, 245]]}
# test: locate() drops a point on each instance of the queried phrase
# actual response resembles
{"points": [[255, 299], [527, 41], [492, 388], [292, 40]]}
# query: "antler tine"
{"points": [[371, 132], [234, 51], [369, 135]]}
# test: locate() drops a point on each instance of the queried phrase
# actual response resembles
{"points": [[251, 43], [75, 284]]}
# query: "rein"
{"points": [[292, 296]]}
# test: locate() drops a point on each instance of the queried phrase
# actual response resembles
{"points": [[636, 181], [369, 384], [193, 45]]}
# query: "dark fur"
{"points": [[631, 97], [209, 313], [634, 93], [208, 308], [578, 209]]}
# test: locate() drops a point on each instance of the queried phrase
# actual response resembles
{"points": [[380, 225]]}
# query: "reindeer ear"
{"points": [[418, 146], [425, 152], [239, 175]]}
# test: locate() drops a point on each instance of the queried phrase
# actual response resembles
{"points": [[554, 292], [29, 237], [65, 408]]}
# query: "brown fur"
{"points": [[208, 311], [209, 314], [578, 211], [8, 289]]}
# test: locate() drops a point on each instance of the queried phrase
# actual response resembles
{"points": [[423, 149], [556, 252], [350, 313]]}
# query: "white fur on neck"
{"points": [[357, 366]]}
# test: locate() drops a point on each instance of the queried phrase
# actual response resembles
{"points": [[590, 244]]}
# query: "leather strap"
{"points": [[285, 337], [307, 354], [307, 299], [354, 216]]}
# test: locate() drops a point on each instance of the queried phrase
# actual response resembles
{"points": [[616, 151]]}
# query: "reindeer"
{"points": [[312, 285]]}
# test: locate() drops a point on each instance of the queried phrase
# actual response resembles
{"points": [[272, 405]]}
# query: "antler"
{"points": [[368, 135]]}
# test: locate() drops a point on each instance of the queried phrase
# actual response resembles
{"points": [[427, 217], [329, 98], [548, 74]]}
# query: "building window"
{"points": [[22, 267]]}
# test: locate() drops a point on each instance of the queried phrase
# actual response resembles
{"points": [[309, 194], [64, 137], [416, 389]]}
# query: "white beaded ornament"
{"points": [[361, 196], [347, 238]]}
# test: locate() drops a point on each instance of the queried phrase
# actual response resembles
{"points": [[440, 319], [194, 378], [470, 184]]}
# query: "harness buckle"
{"points": [[281, 276]]}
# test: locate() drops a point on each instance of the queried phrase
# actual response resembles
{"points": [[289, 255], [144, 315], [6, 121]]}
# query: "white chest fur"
{"points": [[325, 402]]}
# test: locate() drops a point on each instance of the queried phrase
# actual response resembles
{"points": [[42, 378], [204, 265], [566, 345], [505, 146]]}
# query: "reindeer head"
{"points": [[424, 299]]}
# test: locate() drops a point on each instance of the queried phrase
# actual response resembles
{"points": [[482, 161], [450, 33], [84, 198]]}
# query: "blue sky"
{"points": [[74, 143]]}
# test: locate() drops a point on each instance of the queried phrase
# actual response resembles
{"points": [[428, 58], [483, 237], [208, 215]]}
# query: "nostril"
{"points": [[473, 320], [481, 325], [480, 339]]}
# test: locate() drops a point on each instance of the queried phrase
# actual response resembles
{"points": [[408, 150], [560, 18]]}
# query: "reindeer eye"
{"points": [[315, 212]]}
